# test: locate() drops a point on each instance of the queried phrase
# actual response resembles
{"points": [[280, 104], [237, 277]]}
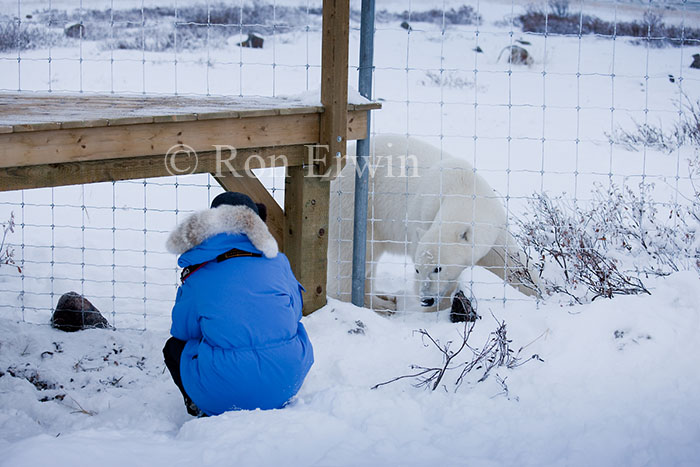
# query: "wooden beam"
{"points": [[306, 201], [356, 126], [334, 84], [106, 143], [84, 144], [73, 173], [249, 184]]}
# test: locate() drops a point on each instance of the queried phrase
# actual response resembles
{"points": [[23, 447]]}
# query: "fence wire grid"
{"points": [[536, 97]]}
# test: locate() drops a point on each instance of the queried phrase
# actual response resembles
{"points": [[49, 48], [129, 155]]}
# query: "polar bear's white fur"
{"points": [[428, 206]]}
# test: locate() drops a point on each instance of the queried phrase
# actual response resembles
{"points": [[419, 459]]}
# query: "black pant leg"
{"points": [[172, 352]]}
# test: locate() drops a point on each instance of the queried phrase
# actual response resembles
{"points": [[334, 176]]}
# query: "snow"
{"points": [[596, 399]]}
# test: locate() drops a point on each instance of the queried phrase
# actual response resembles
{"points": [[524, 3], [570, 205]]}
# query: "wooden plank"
{"points": [[73, 173], [357, 125], [218, 115], [84, 123], [85, 144], [22, 127], [334, 84], [307, 110], [175, 118], [249, 113], [130, 120], [367, 106], [246, 182], [30, 110], [306, 201]]}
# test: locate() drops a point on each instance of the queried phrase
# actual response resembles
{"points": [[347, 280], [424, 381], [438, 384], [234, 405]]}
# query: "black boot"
{"points": [[192, 408]]}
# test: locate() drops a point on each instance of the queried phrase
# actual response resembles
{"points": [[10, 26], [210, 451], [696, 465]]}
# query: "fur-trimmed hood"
{"points": [[224, 219]]}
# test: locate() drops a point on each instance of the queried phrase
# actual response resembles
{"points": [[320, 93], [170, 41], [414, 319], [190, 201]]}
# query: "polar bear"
{"points": [[431, 207]]}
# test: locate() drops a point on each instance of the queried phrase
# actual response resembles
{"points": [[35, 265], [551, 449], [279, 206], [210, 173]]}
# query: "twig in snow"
{"points": [[80, 408], [496, 352]]}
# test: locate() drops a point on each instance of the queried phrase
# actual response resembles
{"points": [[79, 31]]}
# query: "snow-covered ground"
{"points": [[617, 383], [618, 386]]}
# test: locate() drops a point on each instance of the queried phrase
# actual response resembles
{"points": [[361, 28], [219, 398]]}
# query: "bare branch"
{"points": [[496, 352]]}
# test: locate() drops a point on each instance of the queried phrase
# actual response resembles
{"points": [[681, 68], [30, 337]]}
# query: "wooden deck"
{"points": [[54, 140], [41, 130], [22, 112]]}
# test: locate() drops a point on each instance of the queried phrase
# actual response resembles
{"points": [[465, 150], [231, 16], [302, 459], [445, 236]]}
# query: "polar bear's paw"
{"points": [[382, 303]]}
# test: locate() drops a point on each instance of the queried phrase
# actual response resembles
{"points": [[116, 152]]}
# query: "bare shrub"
{"points": [[158, 28], [23, 36], [187, 27], [7, 253], [607, 248], [463, 15], [648, 136], [10, 38], [559, 7], [655, 238], [651, 30], [559, 234], [694, 174], [685, 131], [448, 79], [495, 353]]}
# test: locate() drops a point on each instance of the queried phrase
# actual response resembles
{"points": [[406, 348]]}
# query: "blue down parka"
{"points": [[246, 347]]}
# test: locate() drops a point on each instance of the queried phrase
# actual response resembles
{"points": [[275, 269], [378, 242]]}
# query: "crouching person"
{"points": [[238, 342]]}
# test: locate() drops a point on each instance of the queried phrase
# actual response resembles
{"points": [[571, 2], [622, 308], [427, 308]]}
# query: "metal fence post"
{"points": [[359, 246]]}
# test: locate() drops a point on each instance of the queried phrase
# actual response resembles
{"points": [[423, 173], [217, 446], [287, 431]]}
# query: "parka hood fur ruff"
{"points": [[205, 224]]}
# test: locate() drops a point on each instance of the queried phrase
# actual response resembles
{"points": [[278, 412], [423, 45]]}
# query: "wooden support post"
{"points": [[334, 84], [250, 185], [306, 202], [307, 197]]}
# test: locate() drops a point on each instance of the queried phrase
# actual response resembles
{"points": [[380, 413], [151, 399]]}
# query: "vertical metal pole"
{"points": [[359, 245]]}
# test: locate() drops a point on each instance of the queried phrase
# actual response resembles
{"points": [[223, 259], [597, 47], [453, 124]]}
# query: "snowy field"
{"points": [[617, 382], [618, 386]]}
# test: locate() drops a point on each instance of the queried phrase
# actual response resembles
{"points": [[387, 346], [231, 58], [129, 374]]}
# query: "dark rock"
{"points": [[462, 309], [696, 61], [75, 31], [517, 55], [254, 41], [75, 312], [406, 26], [478, 50]]}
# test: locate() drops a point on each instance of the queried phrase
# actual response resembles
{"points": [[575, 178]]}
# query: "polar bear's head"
{"points": [[442, 253]]}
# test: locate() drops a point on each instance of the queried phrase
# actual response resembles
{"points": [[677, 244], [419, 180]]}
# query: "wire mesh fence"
{"points": [[106, 240], [565, 99], [537, 98]]}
